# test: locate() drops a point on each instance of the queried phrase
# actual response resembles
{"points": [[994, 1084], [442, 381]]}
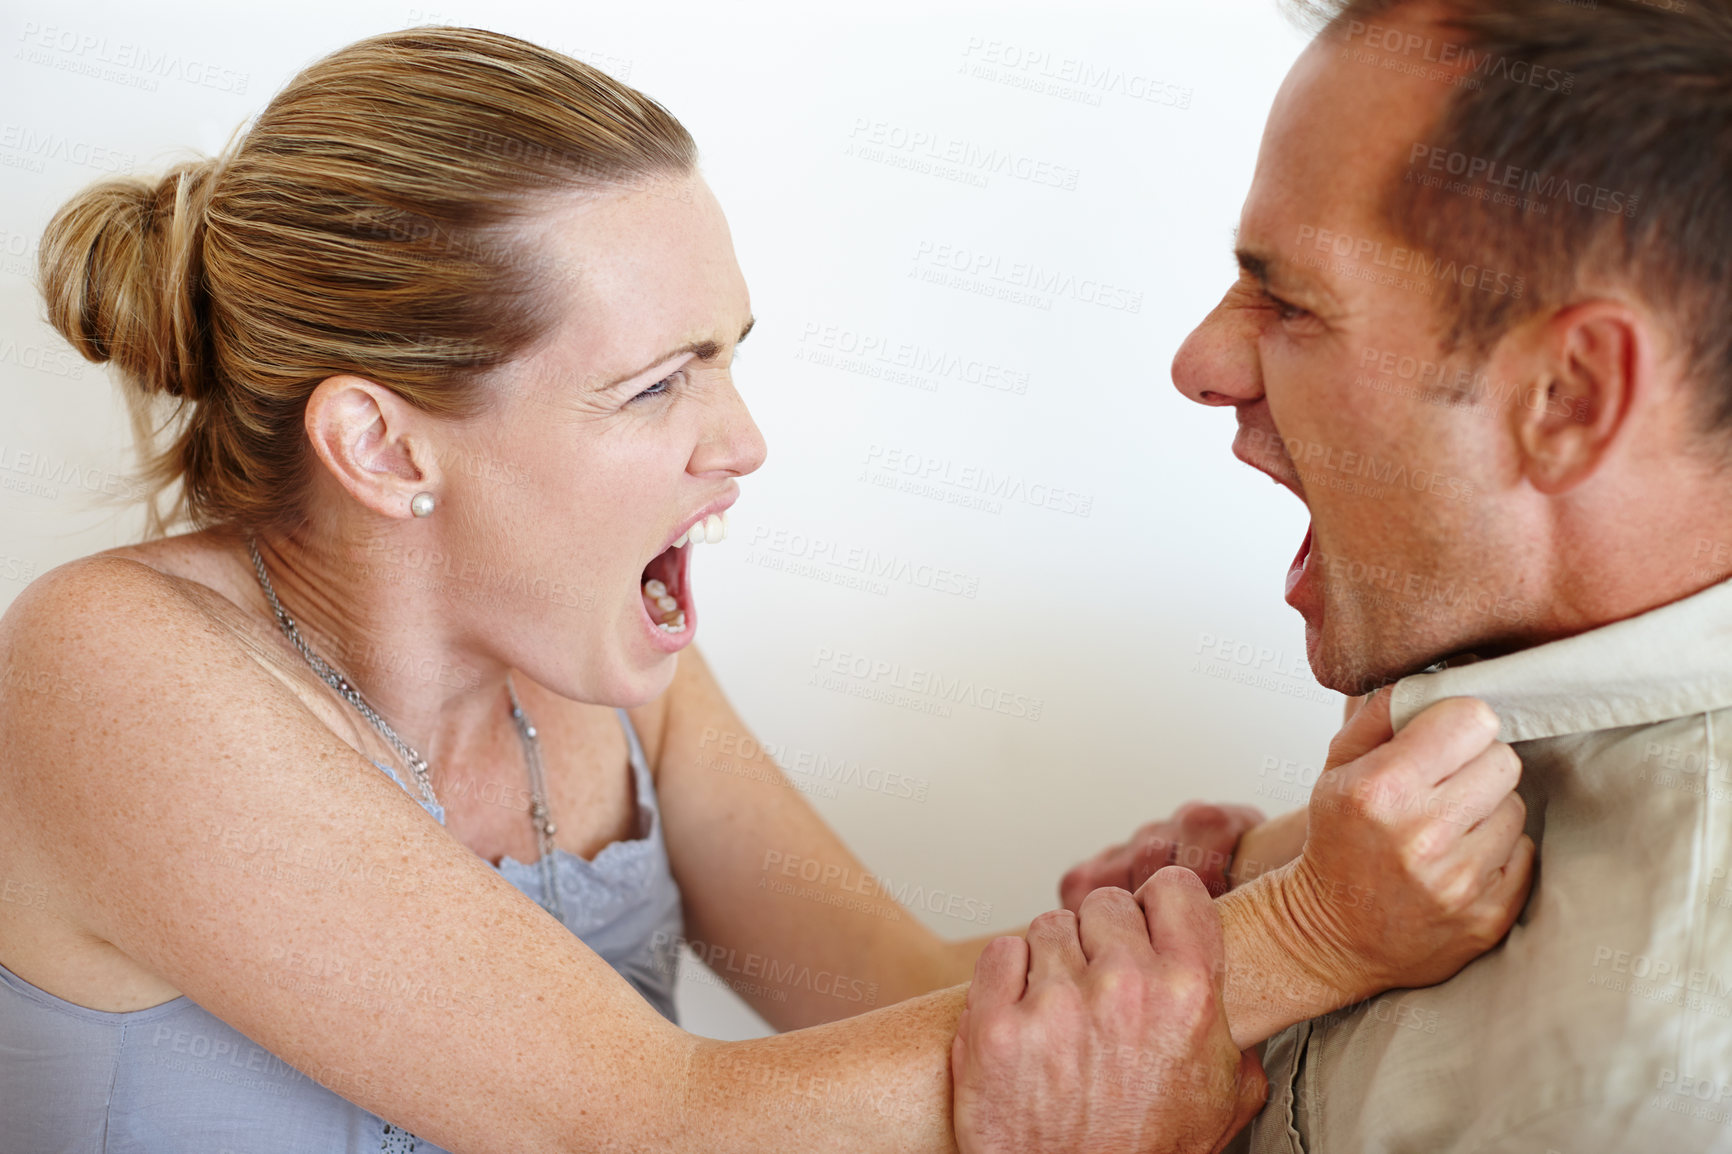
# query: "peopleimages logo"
{"points": [[1476, 65], [988, 485], [1313, 458], [873, 354], [882, 140], [122, 61], [779, 975], [1426, 267], [1067, 77], [40, 146], [1497, 175], [990, 269], [847, 880], [864, 560], [874, 678]]}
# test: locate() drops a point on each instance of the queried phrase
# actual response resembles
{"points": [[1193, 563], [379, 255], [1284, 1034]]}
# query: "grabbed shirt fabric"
{"points": [[175, 1079], [1603, 1022]]}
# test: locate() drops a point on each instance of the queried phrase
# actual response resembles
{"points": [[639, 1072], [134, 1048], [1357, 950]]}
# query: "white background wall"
{"points": [[1131, 175]]}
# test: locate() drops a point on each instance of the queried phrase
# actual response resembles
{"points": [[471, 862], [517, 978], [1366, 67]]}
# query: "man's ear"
{"points": [[1590, 365]]}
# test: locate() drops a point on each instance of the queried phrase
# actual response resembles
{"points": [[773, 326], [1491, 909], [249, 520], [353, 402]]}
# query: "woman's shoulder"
{"points": [[78, 625], [186, 570], [104, 599]]}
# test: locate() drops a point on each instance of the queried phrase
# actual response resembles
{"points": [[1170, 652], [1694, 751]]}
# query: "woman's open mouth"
{"points": [[666, 582]]}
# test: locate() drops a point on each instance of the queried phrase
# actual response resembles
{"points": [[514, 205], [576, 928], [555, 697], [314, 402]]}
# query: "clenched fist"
{"points": [[1105, 1030]]}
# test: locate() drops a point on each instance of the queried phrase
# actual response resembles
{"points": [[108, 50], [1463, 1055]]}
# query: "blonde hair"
{"points": [[364, 225]]}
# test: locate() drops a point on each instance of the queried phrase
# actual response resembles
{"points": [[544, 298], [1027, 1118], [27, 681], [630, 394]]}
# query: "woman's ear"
{"points": [[1592, 362], [363, 433]]}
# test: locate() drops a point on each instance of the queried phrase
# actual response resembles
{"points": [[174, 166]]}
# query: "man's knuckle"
{"points": [[1053, 925], [1458, 889], [1397, 768], [1420, 847], [1109, 901], [1206, 817], [1119, 982], [1189, 993], [998, 1038]]}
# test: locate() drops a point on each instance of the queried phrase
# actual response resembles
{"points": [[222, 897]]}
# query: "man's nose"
{"points": [[1218, 363]]}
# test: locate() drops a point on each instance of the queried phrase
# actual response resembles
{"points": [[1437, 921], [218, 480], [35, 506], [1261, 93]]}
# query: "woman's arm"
{"points": [[198, 816], [1389, 894], [775, 903]]}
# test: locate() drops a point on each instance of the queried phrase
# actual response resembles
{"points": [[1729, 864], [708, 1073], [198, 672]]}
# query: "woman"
{"points": [[445, 341]]}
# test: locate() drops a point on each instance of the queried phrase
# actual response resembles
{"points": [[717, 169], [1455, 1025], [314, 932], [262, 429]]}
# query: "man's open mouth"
{"points": [[1296, 571], [1266, 452]]}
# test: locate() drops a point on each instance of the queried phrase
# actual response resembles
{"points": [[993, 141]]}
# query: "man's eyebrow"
{"points": [[704, 350], [1253, 263]]}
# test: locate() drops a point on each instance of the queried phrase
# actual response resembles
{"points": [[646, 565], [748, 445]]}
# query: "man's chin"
{"points": [[1335, 667], [1322, 657]]}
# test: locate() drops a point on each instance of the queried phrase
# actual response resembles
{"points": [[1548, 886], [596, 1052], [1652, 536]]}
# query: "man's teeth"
{"points": [[709, 531]]}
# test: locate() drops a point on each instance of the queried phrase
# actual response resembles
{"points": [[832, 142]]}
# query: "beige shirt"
{"points": [[1603, 1023]]}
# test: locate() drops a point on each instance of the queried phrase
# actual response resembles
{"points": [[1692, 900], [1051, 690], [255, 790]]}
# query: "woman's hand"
{"points": [[1105, 1030], [1414, 865], [1268, 846], [1225, 845], [1199, 836]]}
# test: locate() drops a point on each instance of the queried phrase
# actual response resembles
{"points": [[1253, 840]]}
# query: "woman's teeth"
{"points": [[710, 530], [673, 617]]}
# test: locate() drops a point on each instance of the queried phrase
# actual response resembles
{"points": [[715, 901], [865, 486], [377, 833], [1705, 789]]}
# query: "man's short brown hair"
{"points": [[1584, 138]]}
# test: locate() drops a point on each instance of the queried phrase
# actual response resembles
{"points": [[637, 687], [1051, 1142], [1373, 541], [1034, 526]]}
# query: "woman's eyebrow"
{"points": [[704, 350]]}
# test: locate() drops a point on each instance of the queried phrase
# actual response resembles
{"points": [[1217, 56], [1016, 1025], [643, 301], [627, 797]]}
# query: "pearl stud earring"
{"points": [[422, 504]]}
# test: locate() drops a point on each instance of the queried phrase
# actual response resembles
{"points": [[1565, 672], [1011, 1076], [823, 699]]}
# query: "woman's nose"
{"points": [[733, 445]]}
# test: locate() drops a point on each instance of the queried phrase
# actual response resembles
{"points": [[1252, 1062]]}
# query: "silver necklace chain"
{"points": [[539, 813]]}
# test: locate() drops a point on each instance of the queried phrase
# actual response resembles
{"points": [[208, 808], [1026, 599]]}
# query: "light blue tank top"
{"points": [[174, 1079]]}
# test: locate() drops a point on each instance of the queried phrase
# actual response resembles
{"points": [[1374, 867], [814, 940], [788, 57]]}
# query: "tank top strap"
{"points": [[648, 805], [432, 807]]}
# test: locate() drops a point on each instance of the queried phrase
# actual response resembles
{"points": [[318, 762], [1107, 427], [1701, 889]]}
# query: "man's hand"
{"points": [[1415, 862], [1105, 1030], [1200, 837]]}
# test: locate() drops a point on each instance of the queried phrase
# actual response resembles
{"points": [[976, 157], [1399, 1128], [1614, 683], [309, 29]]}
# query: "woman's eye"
{"points": [[658, 388]]}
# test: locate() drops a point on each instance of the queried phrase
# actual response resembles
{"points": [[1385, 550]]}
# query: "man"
{"points": [[1483, 329]]}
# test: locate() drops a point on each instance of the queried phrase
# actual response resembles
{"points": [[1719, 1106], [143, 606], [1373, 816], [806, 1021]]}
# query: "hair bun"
{"points": [[121, 267]]}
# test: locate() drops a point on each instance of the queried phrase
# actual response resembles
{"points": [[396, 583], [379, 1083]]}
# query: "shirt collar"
{"points": [[1669, 662]]}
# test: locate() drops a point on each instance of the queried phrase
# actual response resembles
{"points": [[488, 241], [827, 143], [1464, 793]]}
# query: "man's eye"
{"points": [[1286, 311], [658, 388]]}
